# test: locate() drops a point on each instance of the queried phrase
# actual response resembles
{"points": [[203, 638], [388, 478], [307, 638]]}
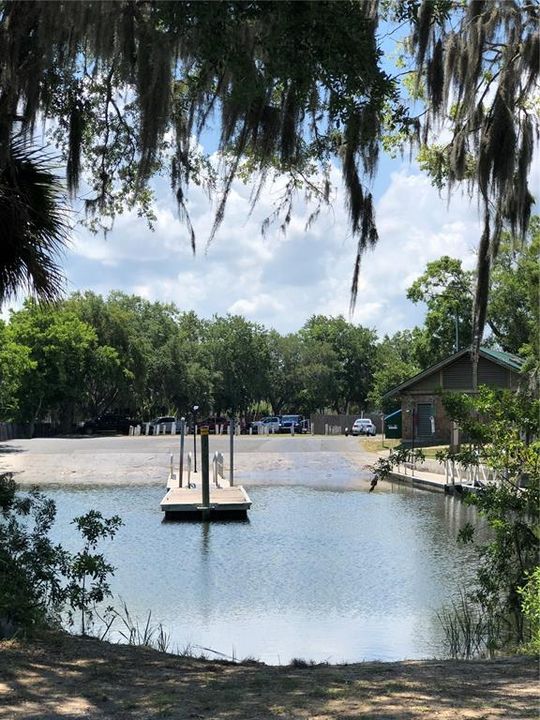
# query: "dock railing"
{"points": [[470, 475], [217, 464]]}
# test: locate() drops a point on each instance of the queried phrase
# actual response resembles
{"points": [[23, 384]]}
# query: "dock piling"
{"points": [[205, 469], [181, 461]]}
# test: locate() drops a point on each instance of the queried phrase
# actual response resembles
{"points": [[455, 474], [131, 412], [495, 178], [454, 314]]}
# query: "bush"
{"points": [[38, 578], [530, 604]]}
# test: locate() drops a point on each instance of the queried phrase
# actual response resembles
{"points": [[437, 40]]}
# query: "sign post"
{"points": [[231, 451], [205, 468]]}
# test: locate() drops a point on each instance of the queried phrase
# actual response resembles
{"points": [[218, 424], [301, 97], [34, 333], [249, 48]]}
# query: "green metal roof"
{"points": [[513, 362]]}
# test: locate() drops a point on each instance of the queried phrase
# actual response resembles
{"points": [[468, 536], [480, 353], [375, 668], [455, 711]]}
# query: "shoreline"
{"points": [[62, 675]]}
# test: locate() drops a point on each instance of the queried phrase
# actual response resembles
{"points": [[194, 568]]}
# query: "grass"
{"points": [[375, 444], [142, 684]]}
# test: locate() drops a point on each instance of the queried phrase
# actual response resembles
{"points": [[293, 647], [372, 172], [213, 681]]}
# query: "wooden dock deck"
{"points": [[186, 503]]}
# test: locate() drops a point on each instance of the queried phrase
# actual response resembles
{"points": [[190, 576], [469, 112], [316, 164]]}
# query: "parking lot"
{"points": [[336, 461]]}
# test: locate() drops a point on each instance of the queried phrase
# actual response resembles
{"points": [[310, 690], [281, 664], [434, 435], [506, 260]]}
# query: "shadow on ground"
{"points": [[75, 678]]}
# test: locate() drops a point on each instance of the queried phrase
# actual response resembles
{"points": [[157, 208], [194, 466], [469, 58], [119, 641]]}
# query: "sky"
{"points": [[281, 280]]}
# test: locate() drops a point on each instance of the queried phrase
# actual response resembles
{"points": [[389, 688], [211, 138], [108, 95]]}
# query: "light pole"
{"points": [[195, 408]]}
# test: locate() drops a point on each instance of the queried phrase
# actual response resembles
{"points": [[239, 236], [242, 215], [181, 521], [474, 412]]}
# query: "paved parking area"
{"points": [[330, 461]]}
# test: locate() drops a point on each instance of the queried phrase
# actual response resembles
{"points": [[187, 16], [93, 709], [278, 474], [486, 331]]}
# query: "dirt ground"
{"points": [[69, 678]]}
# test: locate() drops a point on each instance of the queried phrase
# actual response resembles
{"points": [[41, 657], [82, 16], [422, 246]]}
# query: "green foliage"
{"points": [[238, 354], [61, 349], [530, 604], [352, 354], [38, 578], [385, 466], [32, 216], [479, 64], [395, 362], [15, 364], [131, 88], [447, 291], [513, 310], [88, 571], [32, 567], [503, 429]]}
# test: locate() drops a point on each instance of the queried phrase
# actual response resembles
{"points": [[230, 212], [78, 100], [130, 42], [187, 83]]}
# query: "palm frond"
{"points": [[33, 225]]}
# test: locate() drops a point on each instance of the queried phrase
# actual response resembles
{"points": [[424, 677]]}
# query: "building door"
{"points": [[424, 413]]}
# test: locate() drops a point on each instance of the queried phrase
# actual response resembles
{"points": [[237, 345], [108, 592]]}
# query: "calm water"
{"points": [[317, 574]]}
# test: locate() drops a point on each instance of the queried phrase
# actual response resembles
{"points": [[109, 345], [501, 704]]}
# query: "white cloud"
{"points": [[281, 280]]}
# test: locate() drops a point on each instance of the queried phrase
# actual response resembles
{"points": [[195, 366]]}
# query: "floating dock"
{"points": [[194, 497], [182, 503]]}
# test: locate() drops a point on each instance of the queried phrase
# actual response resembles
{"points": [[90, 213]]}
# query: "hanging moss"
{"points": [[291, 85], [491, 63]]}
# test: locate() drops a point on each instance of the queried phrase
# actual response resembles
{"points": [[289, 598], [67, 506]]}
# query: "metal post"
{"points": [[231, 452], [205, 469], [181, 463]]}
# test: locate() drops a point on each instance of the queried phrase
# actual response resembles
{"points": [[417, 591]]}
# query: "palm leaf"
{"points": [[33, 225]]}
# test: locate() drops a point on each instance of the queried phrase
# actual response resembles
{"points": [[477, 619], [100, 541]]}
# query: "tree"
{"points": [[513, 311], [286, 362], [15, 363], [88, 571], [477, 63], [111, 380], [39, 578], [61, 350], [447, 290], [283, 105], [396, 360], [354, 350], [503, 428], [238, 354], [297, 86]]}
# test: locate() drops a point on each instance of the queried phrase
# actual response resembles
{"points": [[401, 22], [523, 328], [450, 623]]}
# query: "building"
{"points": [[421, 401]]}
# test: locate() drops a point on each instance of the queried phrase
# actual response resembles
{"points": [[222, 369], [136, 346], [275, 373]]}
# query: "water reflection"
{"points": [[321, 574]]}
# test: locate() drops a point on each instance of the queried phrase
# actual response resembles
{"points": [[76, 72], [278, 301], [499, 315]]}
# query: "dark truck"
{"points": [[108, 423], [290, 421]]}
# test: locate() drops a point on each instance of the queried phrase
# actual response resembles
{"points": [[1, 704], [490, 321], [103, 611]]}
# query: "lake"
{"points": [[319, 574]]}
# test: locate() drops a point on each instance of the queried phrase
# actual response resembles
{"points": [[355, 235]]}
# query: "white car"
{"points": [[165, 424], [267, 424], [363, 426]]}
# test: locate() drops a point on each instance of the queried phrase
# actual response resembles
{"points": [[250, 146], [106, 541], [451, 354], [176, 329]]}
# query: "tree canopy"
{"points": [[132, 86]]}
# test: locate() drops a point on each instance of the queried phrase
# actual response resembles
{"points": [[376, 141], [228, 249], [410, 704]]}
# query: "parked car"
{"points": [[166, 424], [363, 426], [266, 424], [290, 421], [108, 423]]}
